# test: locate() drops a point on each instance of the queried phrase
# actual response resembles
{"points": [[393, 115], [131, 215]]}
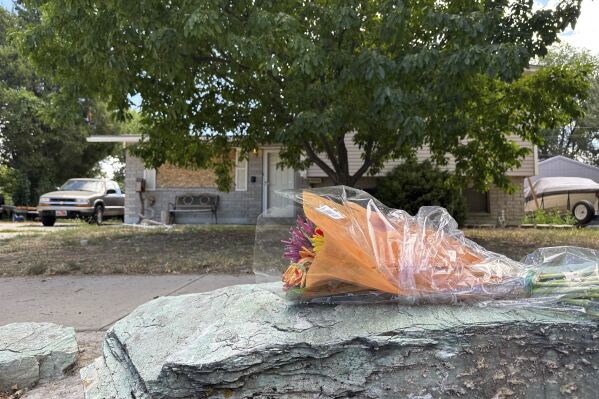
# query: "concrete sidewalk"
{"points": [[93, 303]]}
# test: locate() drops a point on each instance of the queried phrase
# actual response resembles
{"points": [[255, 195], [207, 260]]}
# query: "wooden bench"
{"points": [[193, 203]]}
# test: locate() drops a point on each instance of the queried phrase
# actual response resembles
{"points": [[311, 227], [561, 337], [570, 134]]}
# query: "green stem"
{"points": [[580, 302], [562, 276], [586, 291], [568, 283], [578, 288]]}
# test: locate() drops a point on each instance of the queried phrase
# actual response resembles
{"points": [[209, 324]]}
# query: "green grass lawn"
{"points": [[79, 248]]}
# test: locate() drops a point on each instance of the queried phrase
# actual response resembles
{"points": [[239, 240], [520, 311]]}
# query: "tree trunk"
{"points": [[344, 179], [339, 172]]}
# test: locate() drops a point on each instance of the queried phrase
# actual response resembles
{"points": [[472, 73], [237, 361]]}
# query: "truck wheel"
{"points": [[48, 219], [583, 212], [99, 214]]}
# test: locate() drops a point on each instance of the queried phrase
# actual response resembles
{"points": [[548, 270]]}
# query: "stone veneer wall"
{"points": [[235, 207], [512, 204], [134, 168]]}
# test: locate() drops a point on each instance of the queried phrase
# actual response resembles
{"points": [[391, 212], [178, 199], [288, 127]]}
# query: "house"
{"points": [[560, 166], [258, 178]]}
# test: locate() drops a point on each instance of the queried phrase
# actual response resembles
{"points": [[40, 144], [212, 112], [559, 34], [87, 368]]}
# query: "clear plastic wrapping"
{"points": [[344, 245]]}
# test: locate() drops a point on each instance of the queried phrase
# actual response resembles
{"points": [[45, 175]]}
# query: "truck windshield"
{"points": [[83, 185]]}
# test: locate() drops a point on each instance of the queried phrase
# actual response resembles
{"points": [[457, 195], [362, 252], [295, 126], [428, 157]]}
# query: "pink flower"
{"points": [[300, 241]]}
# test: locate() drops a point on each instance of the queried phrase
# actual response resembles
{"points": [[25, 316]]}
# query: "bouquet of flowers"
{"points": [[347, 246]]}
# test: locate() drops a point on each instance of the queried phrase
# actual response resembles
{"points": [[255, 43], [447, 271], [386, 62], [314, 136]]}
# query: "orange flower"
{"points": [[306, 254], [295, 276]]}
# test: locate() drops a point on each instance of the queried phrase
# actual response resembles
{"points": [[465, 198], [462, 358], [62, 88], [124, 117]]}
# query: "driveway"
{"points": [[10, 229]]}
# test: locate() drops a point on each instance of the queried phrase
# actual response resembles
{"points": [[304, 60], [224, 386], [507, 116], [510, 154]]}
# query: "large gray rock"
{"points": [[245, 341], [35, 352]]}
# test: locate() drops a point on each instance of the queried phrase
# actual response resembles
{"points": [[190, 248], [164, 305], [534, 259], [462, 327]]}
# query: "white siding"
{"points": [[354, 155]]}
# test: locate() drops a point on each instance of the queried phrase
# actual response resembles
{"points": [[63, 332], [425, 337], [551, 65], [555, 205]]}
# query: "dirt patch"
{"points": [[119, 249], [90, 347], [68, 388]]}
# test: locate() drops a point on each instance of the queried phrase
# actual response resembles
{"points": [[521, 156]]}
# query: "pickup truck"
{"points": [[2, 205], [90, 199]]}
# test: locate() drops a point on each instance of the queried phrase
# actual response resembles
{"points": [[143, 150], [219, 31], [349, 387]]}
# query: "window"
{"points": [[83, 185], [112, 186], [241, 172], [150, 176], [476, 202]]}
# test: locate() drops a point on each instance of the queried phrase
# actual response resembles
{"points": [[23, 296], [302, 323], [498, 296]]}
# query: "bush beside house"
{"points": [[412, 185]]}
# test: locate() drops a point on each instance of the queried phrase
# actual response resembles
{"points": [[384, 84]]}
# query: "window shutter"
{"points": [[241, 172], [150, 176]]}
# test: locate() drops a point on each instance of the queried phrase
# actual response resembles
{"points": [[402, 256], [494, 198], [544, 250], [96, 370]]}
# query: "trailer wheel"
{"points": [[48, 219], [583, 212]]}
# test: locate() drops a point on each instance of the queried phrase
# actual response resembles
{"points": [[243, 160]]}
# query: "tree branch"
{"points": [[342, 155], [330, 153], [368, 161], [278, 80], [319, 162], [210, 58], [220, 60]]}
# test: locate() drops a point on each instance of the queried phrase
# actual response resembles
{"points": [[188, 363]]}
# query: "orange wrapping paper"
{"points": [[367, 250]]}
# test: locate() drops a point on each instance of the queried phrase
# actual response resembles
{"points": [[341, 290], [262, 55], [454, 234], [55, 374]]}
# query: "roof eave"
{"points": [[125, 138]]}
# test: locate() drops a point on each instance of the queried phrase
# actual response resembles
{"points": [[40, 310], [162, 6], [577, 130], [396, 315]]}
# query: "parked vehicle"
{"points": [[577, 195], [2, 205], [17, 213], [90, 199]]}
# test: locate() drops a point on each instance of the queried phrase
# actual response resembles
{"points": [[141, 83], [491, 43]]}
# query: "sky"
{"points": [[586, 32], [6, 4]]}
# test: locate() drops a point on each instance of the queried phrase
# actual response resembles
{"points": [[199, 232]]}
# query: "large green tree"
{"points": [[42, 135], [395, 74], [579, 137]]}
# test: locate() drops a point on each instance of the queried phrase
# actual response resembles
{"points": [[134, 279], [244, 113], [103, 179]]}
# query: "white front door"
{"points": [[276, 179]]}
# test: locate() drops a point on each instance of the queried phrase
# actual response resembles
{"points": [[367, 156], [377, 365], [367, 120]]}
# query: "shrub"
{"points": [[412, 185], [15, 186], [551, 216], [36, 269]]}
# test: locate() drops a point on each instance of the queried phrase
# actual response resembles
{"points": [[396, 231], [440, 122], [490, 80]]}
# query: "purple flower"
{"points": [[300, 238]]}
